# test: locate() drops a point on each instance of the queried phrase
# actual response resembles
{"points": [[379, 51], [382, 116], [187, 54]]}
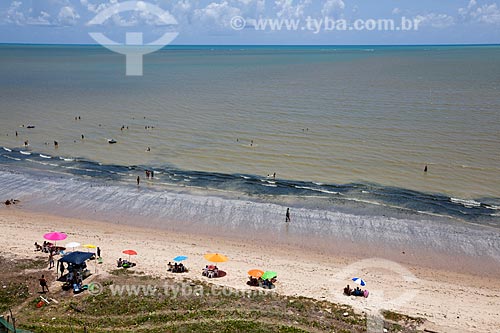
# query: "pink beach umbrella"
{"points": [[55, 236]]}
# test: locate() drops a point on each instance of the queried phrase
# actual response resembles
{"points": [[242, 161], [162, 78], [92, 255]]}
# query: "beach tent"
{"points": [[77, 257]]}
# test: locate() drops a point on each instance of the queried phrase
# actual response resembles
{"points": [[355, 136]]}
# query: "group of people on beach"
{"points": [[176, 268], [210, 271], [355, 292], [259, 282], [150, 174], [124, 263]]}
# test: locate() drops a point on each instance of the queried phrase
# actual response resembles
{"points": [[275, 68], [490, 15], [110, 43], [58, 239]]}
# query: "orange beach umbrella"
{"points": [[216, 257], [256, 273]]}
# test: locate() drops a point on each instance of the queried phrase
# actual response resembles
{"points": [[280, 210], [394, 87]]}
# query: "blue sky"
{"points": [[209, 21]]}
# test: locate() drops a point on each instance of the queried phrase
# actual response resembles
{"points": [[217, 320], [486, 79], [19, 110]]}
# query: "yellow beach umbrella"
{"points": [[216, 257], [89, 246]]}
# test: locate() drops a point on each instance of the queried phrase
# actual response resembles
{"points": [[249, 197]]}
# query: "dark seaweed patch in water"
{"points": [[483, 211]]}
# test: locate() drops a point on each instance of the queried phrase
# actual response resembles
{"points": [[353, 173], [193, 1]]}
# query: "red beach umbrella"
{"points": [[130, 253]]}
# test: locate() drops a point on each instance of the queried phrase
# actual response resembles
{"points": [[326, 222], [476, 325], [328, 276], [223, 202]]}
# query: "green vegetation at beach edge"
{"points": [[197, 311]]}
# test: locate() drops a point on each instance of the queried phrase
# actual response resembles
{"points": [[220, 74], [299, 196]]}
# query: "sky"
{"points": [[249, 22]]}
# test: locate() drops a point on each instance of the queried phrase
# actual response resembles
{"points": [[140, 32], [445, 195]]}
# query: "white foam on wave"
{"points": [[466, 203], [67, 159], [45, 156], [304, 187], [269, 185], [25, 152], [316, 189], [7, 149], [326, 191], [12, 158]]}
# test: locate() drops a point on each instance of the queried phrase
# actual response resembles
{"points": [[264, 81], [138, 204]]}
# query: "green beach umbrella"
{"points": [[268, 275]]}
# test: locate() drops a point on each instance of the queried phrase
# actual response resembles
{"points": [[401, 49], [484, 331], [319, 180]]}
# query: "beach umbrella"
{"points": [[216, 257], [72, 245], [89, 246], [130, 253], [55, 236], [359, 281], [268, 275], [256, 273], [180, 258]]}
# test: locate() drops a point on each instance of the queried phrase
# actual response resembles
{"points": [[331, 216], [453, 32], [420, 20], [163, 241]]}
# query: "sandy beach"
{"points": [[449, 301]]}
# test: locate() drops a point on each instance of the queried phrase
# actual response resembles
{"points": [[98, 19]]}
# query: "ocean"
{"points": [[347, 131]]}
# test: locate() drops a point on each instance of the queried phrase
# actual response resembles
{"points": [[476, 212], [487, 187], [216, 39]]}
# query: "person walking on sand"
{"points": [[51, 260], [138, 180], [43, 284], [287, 216], [98, 252]]}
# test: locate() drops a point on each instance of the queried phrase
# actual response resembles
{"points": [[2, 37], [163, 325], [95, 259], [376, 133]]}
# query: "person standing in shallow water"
{"points": [[287, 216], [138, 180]]}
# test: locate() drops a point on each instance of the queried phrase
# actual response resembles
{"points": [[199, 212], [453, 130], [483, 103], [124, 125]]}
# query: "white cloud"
{"points": [[96, 8], [216, 15], [67, 16], [435, 20], [396, 11], [287, 9], [332, 7], [488, 13], [43, 19], [14, 14]]}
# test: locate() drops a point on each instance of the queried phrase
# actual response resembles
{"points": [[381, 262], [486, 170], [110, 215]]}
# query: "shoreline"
{"points": [[445, 298]]}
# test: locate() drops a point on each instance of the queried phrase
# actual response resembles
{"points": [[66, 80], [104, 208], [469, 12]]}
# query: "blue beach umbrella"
{"points": [[359, 281], [180, 258]]}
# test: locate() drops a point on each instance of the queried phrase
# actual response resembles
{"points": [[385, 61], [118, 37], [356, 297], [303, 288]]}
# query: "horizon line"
{"points": [[256, 45]]}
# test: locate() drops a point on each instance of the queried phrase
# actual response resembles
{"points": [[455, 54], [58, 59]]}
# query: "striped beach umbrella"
{"points": [[359, 281]]}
